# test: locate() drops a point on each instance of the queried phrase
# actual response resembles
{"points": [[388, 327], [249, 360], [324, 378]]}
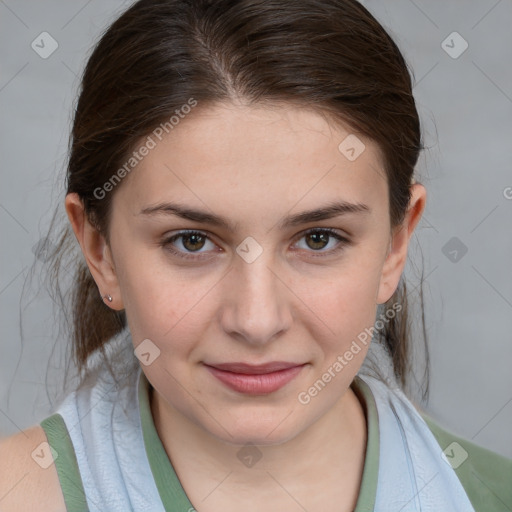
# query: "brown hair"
{"points": [[330, 55]]}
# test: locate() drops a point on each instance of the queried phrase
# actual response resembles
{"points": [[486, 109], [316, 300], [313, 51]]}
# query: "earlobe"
{"points": [[399, 243], [96, 252]]}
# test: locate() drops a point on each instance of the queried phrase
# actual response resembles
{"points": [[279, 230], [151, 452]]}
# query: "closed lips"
{"points": [[247, 369]]}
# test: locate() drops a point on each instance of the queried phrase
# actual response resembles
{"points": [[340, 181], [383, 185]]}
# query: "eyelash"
{"points": [[166, 243]]}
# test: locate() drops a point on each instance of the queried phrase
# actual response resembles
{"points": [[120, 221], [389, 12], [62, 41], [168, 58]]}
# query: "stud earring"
{"points": [[108, 297]]}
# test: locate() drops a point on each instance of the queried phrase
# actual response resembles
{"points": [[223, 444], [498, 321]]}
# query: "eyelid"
{"points": [[332, 231], [343, 240], [167, 241]]}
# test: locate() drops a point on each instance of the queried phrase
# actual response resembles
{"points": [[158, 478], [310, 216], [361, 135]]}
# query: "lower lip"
{"points": [[256, 384]]}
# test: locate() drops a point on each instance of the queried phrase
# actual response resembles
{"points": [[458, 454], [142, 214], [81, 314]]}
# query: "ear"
{"points": [[399, 243], [96, 252]]}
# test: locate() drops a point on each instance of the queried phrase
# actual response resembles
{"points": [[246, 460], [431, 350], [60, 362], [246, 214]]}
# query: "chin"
{"points": [[257, 438], [259, 431]]}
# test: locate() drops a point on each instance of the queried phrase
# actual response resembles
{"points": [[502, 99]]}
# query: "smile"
{"points": [[257, 380]]}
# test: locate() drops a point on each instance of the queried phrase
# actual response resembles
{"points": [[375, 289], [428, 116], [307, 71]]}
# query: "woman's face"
{"points": [[253, 286]]}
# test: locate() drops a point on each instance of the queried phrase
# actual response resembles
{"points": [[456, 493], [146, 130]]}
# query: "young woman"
{"points": [[240, 183]]}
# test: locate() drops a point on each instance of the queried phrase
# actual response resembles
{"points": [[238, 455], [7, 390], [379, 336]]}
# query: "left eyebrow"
{"points": [[329, 211]]}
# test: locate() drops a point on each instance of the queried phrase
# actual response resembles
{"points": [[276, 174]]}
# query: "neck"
{"points": [[327, 457]]}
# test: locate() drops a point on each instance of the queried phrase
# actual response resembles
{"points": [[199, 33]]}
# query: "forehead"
{"points": [[232, 156]]}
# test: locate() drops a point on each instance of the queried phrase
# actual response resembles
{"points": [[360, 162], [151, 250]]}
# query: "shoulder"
{"points": [[486, 476], [28, 478]]}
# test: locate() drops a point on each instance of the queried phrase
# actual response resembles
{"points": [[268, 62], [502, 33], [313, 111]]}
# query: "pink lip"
{"points": [[255, 380]]}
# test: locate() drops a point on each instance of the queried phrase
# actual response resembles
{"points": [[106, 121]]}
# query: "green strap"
{"points": [[169, 487], [65, 463], [368, 489], [485, 475]]}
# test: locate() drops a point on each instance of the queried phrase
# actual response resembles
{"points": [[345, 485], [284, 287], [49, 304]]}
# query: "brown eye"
{"points": [[318, 239], [193, 242], [188, 245]]}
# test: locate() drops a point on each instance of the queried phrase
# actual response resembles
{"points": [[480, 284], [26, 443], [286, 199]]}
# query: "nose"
{"points": [[256, 302]]}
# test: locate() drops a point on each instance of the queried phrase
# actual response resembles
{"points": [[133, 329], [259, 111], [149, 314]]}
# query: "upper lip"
{"points": [[253, 369]]}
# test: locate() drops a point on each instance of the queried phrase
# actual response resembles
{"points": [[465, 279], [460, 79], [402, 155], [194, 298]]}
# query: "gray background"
{"points": [[466, 108]]}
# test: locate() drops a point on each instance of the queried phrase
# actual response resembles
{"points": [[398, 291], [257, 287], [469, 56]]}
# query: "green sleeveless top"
{"points": [[486, 476]]}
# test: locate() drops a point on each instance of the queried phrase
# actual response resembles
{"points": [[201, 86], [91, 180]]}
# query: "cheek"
{"points": [[159, 302], [345, 301], [345, 309]]}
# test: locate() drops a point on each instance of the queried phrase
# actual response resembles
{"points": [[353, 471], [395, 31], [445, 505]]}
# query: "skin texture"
{"points": [[298, 301], [24, 484]]}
